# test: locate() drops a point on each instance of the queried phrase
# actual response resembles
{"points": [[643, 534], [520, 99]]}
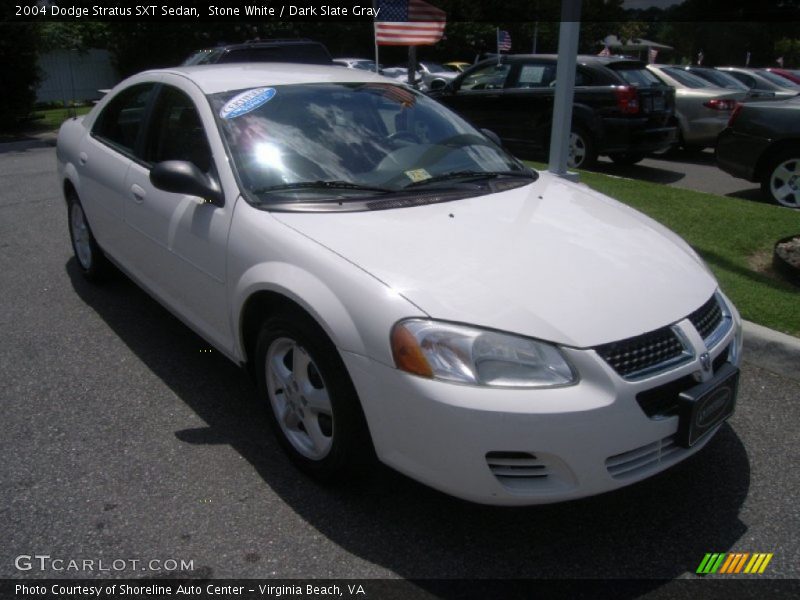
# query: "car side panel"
{"points": [[102, 173], [738, 153], [356, 310]]}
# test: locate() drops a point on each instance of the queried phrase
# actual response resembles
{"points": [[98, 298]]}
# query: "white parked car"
{"points": [[399, 285]]}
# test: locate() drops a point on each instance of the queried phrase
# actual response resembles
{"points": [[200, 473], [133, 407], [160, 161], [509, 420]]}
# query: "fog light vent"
{"points": [[515, 466]]}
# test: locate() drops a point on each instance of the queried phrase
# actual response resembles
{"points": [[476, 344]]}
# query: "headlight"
{"points": [[473, 356]]}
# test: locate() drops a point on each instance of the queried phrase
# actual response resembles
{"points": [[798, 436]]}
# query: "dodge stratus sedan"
{"points": [[399, 285]]}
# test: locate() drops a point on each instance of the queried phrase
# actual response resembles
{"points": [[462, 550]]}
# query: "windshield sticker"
{"points": [[246, 102], [418, 175]]}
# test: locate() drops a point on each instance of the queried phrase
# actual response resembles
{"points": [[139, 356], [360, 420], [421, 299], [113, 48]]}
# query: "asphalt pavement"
{"points": [[693, 170], [123, 439]]}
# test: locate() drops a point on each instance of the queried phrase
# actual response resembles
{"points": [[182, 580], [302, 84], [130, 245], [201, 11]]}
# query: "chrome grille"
{"points": [[707, 318], [638, 355]]}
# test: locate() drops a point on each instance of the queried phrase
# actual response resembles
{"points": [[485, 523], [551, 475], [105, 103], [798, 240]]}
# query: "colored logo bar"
{"points": [[734, 563]]}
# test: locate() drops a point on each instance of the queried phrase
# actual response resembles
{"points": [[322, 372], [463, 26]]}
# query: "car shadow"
{"points": [[659, 528], [693, 157], [752, 194], [639, 172]]}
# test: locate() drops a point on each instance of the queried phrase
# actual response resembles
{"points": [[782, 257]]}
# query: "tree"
{"points": [[789, 49], [18, 71]]}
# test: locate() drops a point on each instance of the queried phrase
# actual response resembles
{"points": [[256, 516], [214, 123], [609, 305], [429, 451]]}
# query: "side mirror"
{"points": [[492, 136], [183, 177], [437, 84]]}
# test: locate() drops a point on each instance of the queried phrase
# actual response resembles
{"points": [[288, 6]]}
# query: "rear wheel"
{"points": [[626, 158], [582, 153], [781, 180], [90, 258], [312, 404]]}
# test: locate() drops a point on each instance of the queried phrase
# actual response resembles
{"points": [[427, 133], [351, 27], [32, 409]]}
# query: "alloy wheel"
{"points": [[299, 398], [784, 183], [81, 239], [577, 150]]}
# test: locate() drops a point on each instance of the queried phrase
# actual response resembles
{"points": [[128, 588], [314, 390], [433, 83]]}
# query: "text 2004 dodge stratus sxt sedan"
{"points": [[400, 285]]}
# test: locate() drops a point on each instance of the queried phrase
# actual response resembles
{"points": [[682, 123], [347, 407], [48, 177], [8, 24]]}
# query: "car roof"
{"points": [[266, 43], [582, 59], [212, 79]]}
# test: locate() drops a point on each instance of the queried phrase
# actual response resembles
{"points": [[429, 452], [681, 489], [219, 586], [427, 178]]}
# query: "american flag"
{"points": [[604, 52], [408, 23], [503, 41]]}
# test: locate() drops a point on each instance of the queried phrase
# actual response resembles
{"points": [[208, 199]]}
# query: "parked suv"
{"points": [[278, 50], [620, 108]]}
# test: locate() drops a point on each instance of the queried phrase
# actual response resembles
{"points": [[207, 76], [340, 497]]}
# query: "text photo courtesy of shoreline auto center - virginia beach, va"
{"points": [[400, 299]]}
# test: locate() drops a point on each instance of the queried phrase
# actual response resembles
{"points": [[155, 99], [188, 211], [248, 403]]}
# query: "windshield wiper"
{"points": [[322, 185], [470, 175]]}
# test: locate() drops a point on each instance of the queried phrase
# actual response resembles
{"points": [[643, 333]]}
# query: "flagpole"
{"points": [[375, 39], [497, 41], [412, 65]]}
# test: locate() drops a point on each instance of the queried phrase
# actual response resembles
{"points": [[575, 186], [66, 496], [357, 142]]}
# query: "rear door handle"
{"points": [[138, 193], [83, 157]]}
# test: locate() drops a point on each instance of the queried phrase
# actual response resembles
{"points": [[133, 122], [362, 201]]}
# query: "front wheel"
{"points": [[781, 181], [312, 404], [581, 154], [626, 158]]}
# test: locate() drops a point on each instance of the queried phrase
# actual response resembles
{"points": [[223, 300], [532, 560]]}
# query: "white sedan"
{"points": [[399, 285]]}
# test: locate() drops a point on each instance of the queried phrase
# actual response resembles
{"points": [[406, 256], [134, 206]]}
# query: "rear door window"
{"points": [[536, 76]]}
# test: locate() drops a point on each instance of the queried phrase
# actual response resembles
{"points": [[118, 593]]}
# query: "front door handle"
{"points": [[83, 157], [138, 193]]}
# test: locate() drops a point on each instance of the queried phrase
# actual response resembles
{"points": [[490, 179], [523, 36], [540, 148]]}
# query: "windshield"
{"points": [[778, 80], [434, 67], [721, 79], [686, 78], [323, 141]]}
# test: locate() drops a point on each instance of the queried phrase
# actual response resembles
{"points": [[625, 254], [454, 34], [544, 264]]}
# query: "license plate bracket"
{"points": [[706, 405]]}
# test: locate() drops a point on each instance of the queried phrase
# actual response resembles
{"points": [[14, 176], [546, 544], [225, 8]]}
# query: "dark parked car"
{"points": [[620, 108], [276, 50], [762, 144]]}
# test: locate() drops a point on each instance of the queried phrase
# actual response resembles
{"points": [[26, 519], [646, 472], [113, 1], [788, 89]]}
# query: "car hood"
{"points": [[551, 260]]}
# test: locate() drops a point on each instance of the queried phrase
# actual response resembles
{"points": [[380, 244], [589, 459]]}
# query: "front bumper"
{"points": [[520, 447]]}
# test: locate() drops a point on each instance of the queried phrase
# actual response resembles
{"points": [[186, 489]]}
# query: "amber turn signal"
{"points": [[407, 354]]}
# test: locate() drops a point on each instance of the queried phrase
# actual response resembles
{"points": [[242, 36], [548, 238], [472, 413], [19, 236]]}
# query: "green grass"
{"points": [[50, 119], [735, 237]]}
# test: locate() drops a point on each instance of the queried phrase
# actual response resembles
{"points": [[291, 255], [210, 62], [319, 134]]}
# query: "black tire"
{"points": [[626, 158], [783, 172], [350, 450], [582, 150], [89, 257]]}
